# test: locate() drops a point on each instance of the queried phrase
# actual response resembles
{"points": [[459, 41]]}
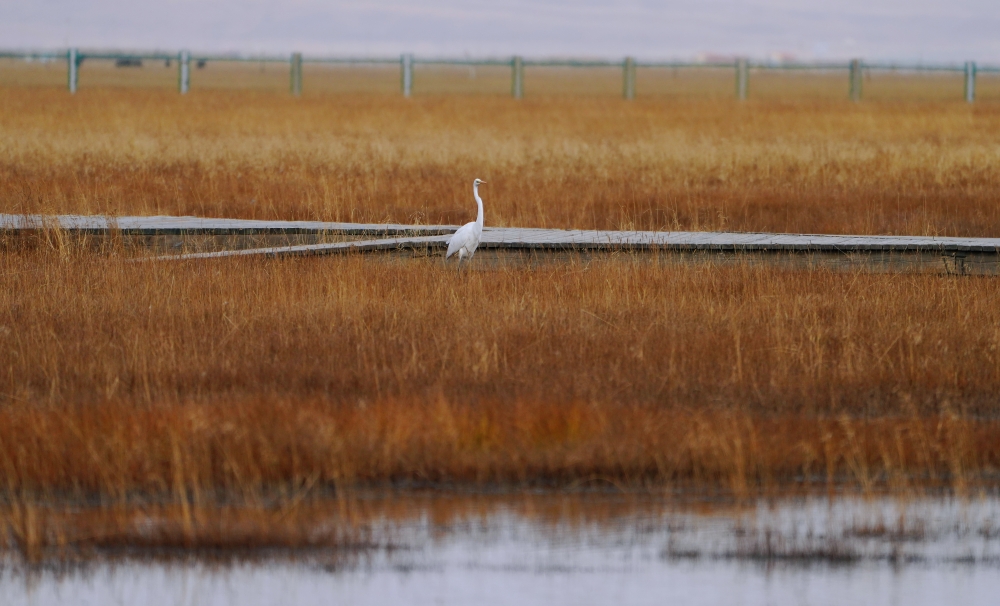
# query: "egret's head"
{"points": [[478, 182]]}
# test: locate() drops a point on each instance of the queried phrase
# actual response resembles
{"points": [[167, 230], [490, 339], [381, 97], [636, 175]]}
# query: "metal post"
{"points": [[406, 66], [970, 81], [742, 78], [517, 78], [73, 63], [296, 74], [628, 78], [184, 72], [855, 76]]}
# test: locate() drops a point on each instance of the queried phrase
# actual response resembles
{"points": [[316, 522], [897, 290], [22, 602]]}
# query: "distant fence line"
{"points": [[854, 68]]}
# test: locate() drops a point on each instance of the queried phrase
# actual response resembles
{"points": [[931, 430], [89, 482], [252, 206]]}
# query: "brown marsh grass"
{"points": [[812, 166], [176, 390], [157, 390], [366, 370]]}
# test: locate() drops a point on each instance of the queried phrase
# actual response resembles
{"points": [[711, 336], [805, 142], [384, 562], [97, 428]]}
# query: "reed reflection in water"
{"points": [[581, 549]]}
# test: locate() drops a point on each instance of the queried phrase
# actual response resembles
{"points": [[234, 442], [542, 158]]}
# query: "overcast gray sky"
{"points": [[929, 30]]}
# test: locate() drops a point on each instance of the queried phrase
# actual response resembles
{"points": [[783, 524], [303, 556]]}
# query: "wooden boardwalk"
{"points": [[611, 241], [164, 225], [434, 238]]}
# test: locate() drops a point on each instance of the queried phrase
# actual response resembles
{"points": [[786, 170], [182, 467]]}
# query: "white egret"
{"points": [[466, 239]]}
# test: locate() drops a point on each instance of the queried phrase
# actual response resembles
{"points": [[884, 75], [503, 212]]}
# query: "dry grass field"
{"points": [[806, 165], [226, 397], [158, 390]]}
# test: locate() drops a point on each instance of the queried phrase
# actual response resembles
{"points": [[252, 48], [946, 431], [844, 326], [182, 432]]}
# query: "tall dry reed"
{"points": [[82, 328], [588, 162], [128, 378]]}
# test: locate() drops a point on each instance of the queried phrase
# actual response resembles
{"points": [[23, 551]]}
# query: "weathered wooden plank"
{"points": [[165, 225], [305, 250]]}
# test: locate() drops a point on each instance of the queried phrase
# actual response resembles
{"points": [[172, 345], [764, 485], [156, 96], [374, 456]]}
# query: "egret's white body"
{"points": [[466, 239]]}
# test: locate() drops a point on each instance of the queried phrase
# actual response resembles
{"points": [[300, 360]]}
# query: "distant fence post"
{"points": [[296, 84], [517, 78], [970, 81], [406, 67], [742, 78], [73, 64], [628, 78], [184, 72], [855, 76]]}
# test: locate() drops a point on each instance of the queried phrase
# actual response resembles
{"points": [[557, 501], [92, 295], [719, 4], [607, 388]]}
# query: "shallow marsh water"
{"points": [[587, 549]]}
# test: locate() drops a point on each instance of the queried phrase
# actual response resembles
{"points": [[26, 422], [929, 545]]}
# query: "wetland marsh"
{"points": [[234, 405]]}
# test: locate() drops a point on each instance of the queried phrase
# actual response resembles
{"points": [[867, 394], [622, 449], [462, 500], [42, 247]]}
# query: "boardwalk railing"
{"points": [[854, 69]]}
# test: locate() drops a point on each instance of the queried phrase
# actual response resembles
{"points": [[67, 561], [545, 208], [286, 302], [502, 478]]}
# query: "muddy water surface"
{"points": [[584, 549]]}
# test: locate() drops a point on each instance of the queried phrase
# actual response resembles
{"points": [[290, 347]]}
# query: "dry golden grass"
{"points": [[196, 386], [84, 329], [589, 162], [366, 370]]}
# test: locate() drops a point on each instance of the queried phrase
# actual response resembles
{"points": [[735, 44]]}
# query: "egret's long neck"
{"points": [[479, 203]]}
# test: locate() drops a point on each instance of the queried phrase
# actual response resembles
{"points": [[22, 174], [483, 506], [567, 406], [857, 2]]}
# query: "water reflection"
{"points": [[583, 549]]}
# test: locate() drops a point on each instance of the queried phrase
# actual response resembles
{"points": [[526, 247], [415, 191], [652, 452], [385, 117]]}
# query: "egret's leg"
{"points": [[466, 256]]}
